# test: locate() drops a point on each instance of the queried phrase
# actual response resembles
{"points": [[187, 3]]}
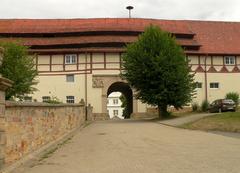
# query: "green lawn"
{"points": [[229, 122]]}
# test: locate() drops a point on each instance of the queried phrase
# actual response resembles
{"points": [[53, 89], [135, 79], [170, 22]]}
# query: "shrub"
{"points": [[204, 106], [234, 96], [53, 100], [195, 107]]}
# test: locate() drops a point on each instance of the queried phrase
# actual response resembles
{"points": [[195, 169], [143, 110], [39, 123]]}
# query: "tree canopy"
{"points": [[156, 67], [19, 67]]}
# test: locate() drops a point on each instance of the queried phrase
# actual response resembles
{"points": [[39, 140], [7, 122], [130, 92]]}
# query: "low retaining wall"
{"points": [[143, 115], [100, 116], [29, 126], [171, 109], [153, 112]]}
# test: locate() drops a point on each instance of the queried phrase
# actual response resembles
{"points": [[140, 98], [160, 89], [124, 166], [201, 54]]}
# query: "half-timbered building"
{"points": [[81, 58]]}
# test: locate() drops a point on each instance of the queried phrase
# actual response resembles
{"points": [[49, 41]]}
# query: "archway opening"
{"points": [[126, 94]]}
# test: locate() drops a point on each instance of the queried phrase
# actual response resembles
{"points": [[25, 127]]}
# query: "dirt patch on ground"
{"points": [[229, 122]]}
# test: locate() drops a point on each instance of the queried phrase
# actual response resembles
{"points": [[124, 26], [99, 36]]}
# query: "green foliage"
{"points": [[156, 67], [124, 106], [53, 100], [17, 66], [204, 106], [195, 107], [234, 96], [123, 100]]}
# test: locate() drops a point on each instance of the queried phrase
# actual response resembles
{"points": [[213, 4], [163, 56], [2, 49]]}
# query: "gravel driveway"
{"points": [[141, 147]]}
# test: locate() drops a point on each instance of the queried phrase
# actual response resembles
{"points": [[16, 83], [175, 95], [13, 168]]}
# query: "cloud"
{"points": [[164, 9]]}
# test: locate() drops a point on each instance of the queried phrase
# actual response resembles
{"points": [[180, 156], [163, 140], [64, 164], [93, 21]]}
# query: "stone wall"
{"points": [[152, 112], [28, 126], [4, 84], [143, 115], [100, 116], [2, 127]]}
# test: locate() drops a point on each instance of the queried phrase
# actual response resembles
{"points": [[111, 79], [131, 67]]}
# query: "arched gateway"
{"points": [[113, 83], [126, 91]]}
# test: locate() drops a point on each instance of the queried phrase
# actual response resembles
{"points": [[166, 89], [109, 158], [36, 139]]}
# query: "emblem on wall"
{"points": [[97, 83]]}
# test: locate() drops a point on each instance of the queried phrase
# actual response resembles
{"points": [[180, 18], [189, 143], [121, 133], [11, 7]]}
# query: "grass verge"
{"points": [[227, 122], [52, 150], [179, 115]]}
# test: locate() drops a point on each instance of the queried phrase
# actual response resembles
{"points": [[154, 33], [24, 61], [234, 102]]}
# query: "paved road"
{"points": [[142, 147], [186, 119]]}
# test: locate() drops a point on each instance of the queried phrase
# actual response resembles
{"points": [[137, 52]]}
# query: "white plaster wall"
{"points": [[228, 82], [94, 96], [57, 86], [200, 92]]}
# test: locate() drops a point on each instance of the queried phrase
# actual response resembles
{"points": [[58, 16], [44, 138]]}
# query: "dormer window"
{"points": [[229, 60], [70, 59]]}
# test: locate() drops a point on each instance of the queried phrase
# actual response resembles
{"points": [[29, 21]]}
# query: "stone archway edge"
{"points": [[99, 81]]}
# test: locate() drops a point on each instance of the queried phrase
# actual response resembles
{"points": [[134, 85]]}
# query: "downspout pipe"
{"points": [[86, 91], [205, 77]]}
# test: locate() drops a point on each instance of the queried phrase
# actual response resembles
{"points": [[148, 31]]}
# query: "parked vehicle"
{"points": [[222, 105]]}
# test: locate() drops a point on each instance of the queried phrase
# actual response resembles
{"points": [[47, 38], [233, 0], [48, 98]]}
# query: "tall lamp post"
{"points": [[129, 8]]}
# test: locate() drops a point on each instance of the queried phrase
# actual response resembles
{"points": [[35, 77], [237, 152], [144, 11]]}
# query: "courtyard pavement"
{"points": [[128, 146]]}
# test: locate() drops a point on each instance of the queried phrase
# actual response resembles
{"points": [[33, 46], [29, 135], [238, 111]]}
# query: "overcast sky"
{"points": [[228, 10]]}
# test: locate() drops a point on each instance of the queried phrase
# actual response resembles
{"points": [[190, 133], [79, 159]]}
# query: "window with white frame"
{"points": [[115, 112], [70, 78], [214, 85], [229, 60], [70, 59], [198, 85], [70, 99], [45, 98], [115, 101]]}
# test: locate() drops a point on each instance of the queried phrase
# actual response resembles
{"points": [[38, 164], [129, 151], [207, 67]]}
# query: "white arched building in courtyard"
{"points": [[114, 104]]}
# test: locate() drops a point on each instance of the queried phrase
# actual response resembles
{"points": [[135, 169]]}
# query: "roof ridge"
{"points": [[124, 18]]}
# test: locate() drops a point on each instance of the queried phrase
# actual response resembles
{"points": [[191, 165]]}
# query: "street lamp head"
{"points": [[129, 7]]}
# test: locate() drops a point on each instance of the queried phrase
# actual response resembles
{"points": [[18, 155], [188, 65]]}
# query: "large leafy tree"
{"points": [[18, 66], [156, 67]]}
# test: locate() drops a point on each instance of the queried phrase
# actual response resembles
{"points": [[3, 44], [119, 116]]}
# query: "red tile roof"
{"points": [[74, 50], [72, 40], [83, 25], [36, 41], [214, 37]]}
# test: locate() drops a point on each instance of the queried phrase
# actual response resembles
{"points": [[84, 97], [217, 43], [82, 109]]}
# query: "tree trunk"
{"points": [[162, 111]]}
